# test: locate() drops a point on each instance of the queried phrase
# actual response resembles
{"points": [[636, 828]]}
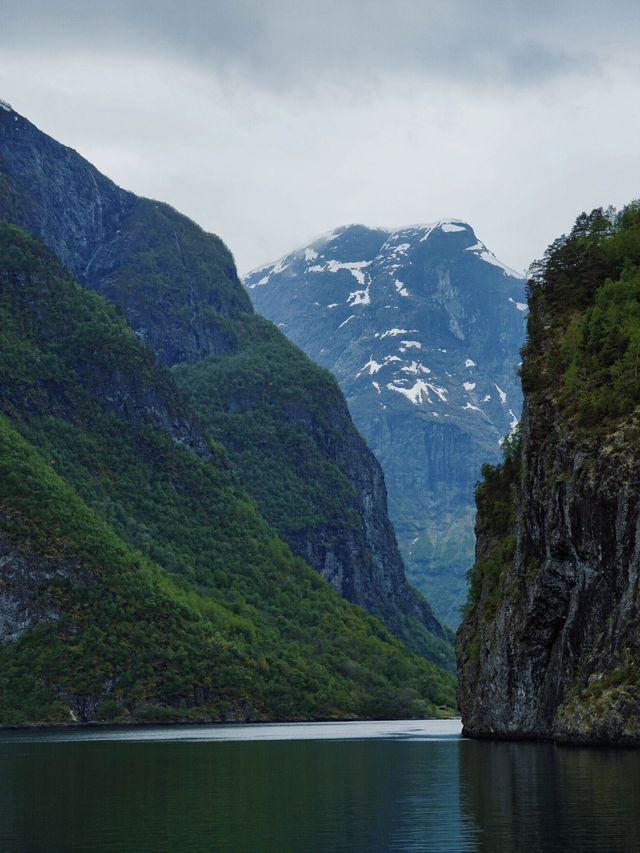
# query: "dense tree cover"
{"points": [[584, 329], [168, 595], [266, 403], [177, 284]]}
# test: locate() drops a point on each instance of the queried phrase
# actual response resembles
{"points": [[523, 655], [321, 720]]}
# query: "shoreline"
{"points": [[146, 724]]}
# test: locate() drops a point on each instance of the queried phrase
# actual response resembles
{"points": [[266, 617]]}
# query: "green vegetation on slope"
{"points": [[495, 500], [116, 636], [584, 330], [281, 418], [166, 529], [177, 281], [264, 402]]}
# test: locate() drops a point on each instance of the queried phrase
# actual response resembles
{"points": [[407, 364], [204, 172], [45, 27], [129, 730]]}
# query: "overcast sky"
{"points": [[272, 121]]}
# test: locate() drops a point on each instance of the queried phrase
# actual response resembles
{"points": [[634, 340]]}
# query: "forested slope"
{"points": [[138, 579]]}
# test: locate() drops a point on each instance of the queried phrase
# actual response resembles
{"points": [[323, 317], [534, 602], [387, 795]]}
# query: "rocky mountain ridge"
{"points": [[422, 328]]}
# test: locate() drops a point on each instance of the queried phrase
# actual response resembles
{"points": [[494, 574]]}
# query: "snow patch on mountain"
{"points": [[448, 226], [344, 322], [372, 366], [484, 254], [419, 392], [354, 267], [415, 367], [359, 297], [391, 333]]}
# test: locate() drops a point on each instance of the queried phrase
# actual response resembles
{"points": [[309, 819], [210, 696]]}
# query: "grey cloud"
{"points": [[288, 45]]}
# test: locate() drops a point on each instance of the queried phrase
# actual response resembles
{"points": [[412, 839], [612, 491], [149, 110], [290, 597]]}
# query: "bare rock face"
{"points": [[558, 658], [21, 603], [363, 563]]}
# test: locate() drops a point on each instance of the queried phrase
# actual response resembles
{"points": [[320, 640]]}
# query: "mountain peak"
{"points": [[360, 249], [422, 327]]}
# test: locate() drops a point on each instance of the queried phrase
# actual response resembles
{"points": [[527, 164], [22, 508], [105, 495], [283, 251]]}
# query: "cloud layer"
{"points": [[271, 121], [292, 43]]}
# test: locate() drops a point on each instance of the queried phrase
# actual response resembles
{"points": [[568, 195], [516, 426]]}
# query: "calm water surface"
{"points": [[311, 788]]}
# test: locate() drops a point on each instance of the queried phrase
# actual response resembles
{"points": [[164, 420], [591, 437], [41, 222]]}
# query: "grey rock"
{"points": [[551, 664], [23, 577]]}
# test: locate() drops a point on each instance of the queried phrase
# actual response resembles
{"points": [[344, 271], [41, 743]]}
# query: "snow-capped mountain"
{"points": [[422, 327]]}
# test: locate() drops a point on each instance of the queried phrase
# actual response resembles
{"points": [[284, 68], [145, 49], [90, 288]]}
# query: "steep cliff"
{"points": [[137, 579], [176, 284], [422, 327], [178, 288], [550, 644]]}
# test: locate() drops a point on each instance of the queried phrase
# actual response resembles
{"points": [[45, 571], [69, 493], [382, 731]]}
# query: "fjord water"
{"points": [[311, 788]]}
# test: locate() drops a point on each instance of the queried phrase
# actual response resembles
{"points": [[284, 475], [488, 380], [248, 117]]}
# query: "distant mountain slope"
{"points": [[138, 580], [179, 291], [422, 328]]}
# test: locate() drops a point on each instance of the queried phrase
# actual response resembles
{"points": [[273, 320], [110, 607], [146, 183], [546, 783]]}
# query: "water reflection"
{"points": [[541, 797], [378, 792]]}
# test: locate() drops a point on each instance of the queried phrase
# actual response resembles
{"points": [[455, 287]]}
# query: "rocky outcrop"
{"points": [[22, 605], [559, 658], [550, 644], [378, 581]]}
